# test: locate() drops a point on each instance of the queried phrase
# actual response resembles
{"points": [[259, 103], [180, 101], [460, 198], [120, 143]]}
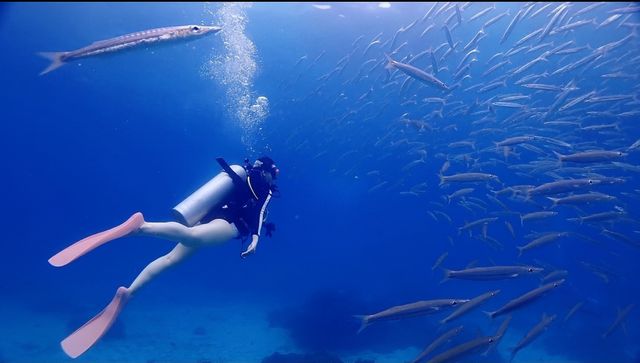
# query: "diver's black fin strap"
{"points": [[235, 177]]}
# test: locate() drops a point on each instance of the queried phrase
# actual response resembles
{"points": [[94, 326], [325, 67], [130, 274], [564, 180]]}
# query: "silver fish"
{"points": [[516, 140], [438, 342], [439, 261], [462, 349], [573, 310], [447, 33], [599, 217], [498, 335], [591, 156], [467, 177], [551, 23], [491, 273], [546, 238], [464, 308], [511, 26], [533, 333], [495, 19], [410, 310], [416, 73], [126, 41], [536, 215], [582, 199], [622, 314], [526, 298], [481, 13], [562, 186]]}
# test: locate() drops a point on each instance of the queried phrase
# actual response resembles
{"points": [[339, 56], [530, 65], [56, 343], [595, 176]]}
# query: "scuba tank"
{"points": [[215, 193]]}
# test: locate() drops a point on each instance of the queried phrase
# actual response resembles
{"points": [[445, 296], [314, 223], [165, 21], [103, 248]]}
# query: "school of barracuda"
{"points": [[556, 108]]}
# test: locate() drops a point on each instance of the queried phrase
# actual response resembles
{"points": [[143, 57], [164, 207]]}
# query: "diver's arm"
{"points": [[262, 192], [256, 226], [252, 247]]}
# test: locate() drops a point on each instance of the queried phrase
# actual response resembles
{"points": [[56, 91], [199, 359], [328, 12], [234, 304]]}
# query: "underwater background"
{"points": [[364, 219]]}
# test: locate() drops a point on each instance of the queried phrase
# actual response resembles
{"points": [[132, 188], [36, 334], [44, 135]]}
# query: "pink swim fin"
{"points": [[92, 242], [87, 335]]}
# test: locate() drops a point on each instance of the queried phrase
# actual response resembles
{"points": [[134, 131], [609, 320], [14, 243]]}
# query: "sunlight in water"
{"points": [[235, 69]]}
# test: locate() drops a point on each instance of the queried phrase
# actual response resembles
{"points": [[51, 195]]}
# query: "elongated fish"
{"points": [[562, 186], [498, 336], [591, 156], [409, 310], [464, 308], [525, 299], [582, 198], [438, 342], [491, 272], [573, 310], [462, 349], [416, 73], [533, 333], [546, 238], [622, 315], [127, 41], [467, 177], [536, 215]]}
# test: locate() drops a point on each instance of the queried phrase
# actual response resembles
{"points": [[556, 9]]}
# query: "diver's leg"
{"points": [[216, 231], [179, 253], [87, 335], [94, 241]]}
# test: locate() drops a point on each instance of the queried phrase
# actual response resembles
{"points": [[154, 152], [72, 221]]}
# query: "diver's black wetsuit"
{"points": [[247, 206]]}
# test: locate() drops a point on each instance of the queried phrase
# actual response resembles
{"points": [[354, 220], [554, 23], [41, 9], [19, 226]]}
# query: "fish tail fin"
{"points": [[520, 250], [55, 58], [364, 322], [390, 62], [554, 200], [447, 274], [528, 194], [560, 156], [441, 179], [490, 314]]}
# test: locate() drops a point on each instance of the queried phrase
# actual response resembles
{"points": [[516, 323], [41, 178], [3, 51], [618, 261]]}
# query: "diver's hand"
{"points": [[252, 247]]}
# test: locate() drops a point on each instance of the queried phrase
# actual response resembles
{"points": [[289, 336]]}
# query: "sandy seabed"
{"points": [[220, 332]]}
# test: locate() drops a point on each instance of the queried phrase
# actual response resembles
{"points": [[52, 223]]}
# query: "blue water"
{"points": [[86, 145]]}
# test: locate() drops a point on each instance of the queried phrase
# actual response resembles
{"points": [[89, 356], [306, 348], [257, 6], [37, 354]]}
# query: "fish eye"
{"points": [[530, 269], [590, 181], [195, 29], [454, 302]]}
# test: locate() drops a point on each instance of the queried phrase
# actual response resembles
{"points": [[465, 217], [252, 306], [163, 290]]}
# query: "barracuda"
{"points": [[183, 32]]}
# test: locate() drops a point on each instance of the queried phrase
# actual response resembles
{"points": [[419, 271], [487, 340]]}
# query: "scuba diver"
{"points": [[231, 205]]}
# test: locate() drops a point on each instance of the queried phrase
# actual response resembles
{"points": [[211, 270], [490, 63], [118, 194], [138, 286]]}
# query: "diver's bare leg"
{"points": [[87, 335], [179, 253], [214, 232]]}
